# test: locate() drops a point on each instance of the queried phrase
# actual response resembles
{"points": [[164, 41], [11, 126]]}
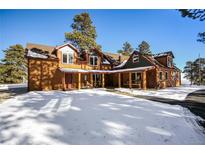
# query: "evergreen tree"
{"points": [[14, 65], [195, 14], [199, 69], [126, 49], [144, 48], [195, 71], [1, 73], [188, 71], [84, 33]]}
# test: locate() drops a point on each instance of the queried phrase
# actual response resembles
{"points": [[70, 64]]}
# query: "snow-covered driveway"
{"points": [[94, 117], [177, 93]]}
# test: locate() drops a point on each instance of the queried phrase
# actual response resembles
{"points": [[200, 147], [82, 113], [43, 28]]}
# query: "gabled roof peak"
{"points": [[161, 54], [66, 44], [40, 47]]}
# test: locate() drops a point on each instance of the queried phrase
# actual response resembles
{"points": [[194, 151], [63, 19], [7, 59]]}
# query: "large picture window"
{"points": [[93, 60]]}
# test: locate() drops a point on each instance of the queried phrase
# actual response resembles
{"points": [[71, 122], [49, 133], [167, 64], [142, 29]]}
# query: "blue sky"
{"points": [[164, 30]]}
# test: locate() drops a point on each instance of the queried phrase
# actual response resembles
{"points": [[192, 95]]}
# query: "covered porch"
{"points": [[80, 79]]}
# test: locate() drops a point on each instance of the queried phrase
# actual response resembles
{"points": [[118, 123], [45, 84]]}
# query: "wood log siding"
{"points": [[44, 74]]}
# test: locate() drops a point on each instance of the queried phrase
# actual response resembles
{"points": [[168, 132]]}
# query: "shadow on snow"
{"points": [[72, 118]]}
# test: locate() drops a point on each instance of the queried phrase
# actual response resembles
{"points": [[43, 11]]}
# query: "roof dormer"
{"points": [[165, 58]]}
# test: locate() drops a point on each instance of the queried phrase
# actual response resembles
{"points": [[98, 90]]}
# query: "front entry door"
{"points": [[69, 81]]}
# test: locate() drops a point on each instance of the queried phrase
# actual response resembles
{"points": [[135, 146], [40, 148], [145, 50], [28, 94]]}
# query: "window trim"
{"points": [[174, 75], [166, 75], [68, 54], [93, 56], [159, 75], [138, 59], [63, 58], [136, 76], [169, 61]]}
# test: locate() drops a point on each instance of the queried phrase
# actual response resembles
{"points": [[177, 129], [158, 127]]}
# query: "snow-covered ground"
{"points": [[184, 80], [94, 117], [8, 86], [178, 93]]}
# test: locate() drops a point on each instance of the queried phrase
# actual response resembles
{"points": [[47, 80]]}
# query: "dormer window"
{"points": [[93, 60], [67, 58], [70, 58], [135, 58], [169, 62]]}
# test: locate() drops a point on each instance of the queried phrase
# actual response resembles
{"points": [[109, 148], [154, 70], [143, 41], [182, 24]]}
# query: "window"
{"points": [[70, 60], [93, 60], [135, 58], [67, 58], [160, 75], [85, 77], [166, 75], [136, 77], [174, 75], [169, 62]]}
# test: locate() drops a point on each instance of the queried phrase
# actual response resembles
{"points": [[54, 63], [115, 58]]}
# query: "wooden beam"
{"points": [[63, 81], [103, 80], [91, 79], [79, 80], [144, 80], [130, 80], [119, 80], [28, 79], [157, 78]]}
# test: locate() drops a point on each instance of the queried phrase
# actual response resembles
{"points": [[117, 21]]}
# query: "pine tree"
{"points": [[188, 71], [195, 71], [84, 33], [1, 73], [14, 64], [144, 48], [195, 14], [199, 65], [126, 49]]}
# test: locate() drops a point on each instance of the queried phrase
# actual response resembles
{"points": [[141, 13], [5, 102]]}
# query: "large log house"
{"points": [[64, 67]]}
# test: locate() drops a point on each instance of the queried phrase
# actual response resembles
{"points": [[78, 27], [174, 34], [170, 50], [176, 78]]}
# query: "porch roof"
{"points": [[71, 70]]}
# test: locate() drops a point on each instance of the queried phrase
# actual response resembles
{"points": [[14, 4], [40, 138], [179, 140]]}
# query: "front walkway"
{"points": [[94, 117]]}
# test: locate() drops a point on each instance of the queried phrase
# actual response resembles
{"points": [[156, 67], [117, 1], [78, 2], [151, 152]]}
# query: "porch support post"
{"points": [[91, 79], [103, 80], [79, 80], [130, 80], [63, 81], [157, 78], [144, 80], [119, 80]]}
